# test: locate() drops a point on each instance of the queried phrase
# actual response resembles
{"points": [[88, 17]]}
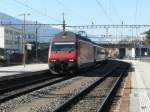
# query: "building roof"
{"points": [[146, 46]]}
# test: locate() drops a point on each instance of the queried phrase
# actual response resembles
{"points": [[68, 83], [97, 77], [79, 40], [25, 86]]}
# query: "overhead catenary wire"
{"points": [[137, 29], [115, 10], [104, 11], [136, 12], [73, 11], [37, 11]]}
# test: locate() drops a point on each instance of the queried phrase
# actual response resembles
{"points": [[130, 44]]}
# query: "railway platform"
{"points": [[140, 87], [20, 70]]}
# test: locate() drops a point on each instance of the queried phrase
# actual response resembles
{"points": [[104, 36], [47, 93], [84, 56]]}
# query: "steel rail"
{"points": [[67, 105], [4, 96], [23, 87], [105, 104], [23, 83]]}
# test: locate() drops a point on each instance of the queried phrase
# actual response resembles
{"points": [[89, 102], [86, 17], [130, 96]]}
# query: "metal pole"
{"points": [[24, 50], [106, 36], [122, 37], [140, 49], [134, 46], [139, 42], [64, 24], [24, 36], [36, 44]]}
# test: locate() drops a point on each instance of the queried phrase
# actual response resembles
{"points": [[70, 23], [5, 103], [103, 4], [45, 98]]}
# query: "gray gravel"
{"points": [[45, 99], [92, 101]]}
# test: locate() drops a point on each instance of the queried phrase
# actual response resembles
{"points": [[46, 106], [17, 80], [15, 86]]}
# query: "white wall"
{"points": [[133, 52], [9, 38], [1, 37], [130, 52]]}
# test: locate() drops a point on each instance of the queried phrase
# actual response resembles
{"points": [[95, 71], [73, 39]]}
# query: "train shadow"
{"points": [[107, 68]]}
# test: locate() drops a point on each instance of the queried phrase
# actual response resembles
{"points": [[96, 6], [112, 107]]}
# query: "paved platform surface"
{"points": [[20, 69], [140, 87]]}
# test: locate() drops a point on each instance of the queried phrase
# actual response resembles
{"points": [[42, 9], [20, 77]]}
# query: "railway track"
{"points": [[54, 97], [24, 85], [97, 96], [106, 103]]}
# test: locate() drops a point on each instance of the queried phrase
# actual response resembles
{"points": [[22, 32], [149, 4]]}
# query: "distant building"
{"points": [[11, 41], [11, 36]]}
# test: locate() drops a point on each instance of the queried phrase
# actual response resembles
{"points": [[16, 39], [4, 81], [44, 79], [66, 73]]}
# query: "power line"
{"points": [[109, 26], [35, 10], [104, 11], [135, 21], [115, 10], [136, 11], [69, 9]]}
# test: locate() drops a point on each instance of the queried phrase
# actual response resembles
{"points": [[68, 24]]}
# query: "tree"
{"points": [[147, 40]]}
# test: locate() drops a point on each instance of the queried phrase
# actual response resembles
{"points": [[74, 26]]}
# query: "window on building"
{"points": [[8, 31], [16, 42], [9, 42]]}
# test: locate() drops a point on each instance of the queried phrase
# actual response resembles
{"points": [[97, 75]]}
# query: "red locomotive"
{"points": [[69, 52]]}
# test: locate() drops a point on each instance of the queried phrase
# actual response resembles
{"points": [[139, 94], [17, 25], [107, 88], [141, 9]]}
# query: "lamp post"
{"points": [[24, 36]]}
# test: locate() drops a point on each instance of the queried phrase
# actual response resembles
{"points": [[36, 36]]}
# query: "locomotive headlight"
{"points": [[53, 60], [71, 60]]}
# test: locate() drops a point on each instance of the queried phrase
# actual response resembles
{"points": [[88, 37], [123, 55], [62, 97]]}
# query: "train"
{"points": [[70, 52]]}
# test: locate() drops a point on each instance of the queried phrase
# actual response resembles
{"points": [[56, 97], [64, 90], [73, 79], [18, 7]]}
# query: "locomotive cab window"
{"points": [[69, 46]]}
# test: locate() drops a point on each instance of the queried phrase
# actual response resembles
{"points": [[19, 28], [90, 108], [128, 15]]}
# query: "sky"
{"points": [[80, 12]]}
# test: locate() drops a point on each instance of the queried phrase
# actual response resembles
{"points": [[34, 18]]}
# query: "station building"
{"points": [[11, 41]]}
